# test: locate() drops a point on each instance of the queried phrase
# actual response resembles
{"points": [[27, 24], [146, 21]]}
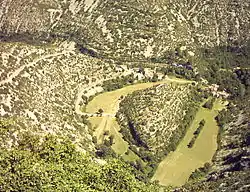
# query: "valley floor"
{"points": [[176, 168], [109, 103]]}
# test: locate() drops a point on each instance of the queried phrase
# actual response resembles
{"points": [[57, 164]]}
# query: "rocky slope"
{"points": [[41, 86], [43, 74], [130, 29]]}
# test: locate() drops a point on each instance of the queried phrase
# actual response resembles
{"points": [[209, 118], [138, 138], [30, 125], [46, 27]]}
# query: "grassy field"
{"points": [[176, 168], [109, 102], [131, 156]]}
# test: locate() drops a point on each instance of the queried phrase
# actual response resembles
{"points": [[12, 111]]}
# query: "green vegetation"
{"points": [[237, 84], [93, 40], [111, 98], [106, 128], [145, 118], [52, 163], [118, 83], [200, 172], [180, 72], [183, 161], [196, 133], [101, 124], [225, 66], [100, 111], [130, 156], [231, 170], [209, 103]]}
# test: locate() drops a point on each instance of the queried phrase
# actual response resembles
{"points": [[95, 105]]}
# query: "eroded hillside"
{"points": [[42, 87], [128, 30]]}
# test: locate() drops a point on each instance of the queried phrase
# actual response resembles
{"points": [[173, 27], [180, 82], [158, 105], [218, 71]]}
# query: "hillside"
{"points": [[230, 171], [53, 163], [155, 119], [40, 86], [127, 30], [56, 56]]}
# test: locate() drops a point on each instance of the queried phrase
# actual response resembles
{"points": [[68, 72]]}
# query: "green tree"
{"points": [[53, 163], [100, 111]]}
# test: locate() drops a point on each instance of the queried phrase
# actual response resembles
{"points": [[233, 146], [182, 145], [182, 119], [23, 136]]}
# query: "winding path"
{"points": [[20, 69]]}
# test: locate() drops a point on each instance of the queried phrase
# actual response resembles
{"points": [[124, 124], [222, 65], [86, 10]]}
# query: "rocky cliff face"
{"points": [[128, 29]]}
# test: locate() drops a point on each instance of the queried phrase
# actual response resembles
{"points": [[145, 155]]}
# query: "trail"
{"points": [[85, 88], [20, 69]]}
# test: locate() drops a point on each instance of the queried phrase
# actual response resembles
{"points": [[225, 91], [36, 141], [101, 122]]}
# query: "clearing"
{"points": [[176, 168], [109, 103]]}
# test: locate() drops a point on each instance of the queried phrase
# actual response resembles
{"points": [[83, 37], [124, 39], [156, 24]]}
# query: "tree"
{"points": [[111, 139], [84, 99], [106, 132], [242, 90], [107, 143], [207, 167], [141, 70], [191, 143], [94, 139], [122, 97], [209, 104], [100, 111], [55, 163], [202, 122], [154, 78]]}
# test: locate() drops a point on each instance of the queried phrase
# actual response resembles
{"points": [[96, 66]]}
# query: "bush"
{"points": [[209, 104], [118, 83], [56, 165], [200, 172], [196, 133]]}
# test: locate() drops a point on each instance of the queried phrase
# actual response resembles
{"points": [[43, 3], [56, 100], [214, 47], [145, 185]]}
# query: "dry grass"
{"points": [[176, 168], [109, 102]]}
